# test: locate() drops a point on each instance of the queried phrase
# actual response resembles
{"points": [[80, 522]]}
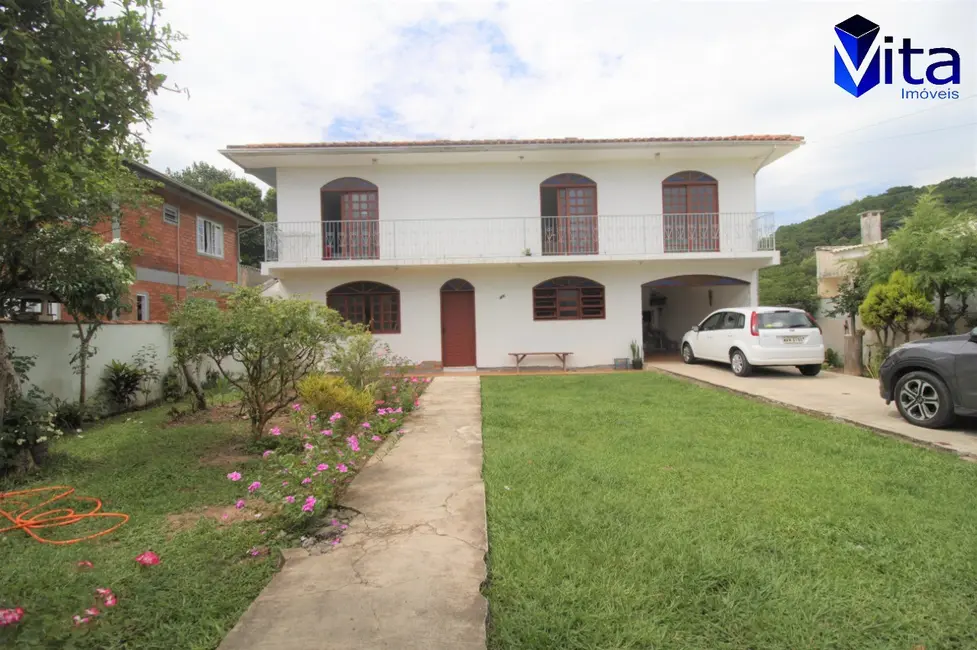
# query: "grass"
{"points": [[141, 467], [639, 511]]}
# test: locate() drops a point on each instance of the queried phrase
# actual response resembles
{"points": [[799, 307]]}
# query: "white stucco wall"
{"points": [[503, 307]]}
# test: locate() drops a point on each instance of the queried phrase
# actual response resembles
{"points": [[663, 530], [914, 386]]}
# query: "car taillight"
{"points": [[813, 322], [754, 324]]}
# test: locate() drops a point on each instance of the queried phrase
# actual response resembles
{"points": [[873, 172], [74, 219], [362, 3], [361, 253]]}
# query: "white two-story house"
{"points": [[460, 253]]}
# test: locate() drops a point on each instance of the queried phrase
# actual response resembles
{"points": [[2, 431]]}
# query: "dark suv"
{"points": [[932, 380]]}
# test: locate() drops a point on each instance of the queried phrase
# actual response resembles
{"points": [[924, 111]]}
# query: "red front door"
{"points": [[457, 328]]}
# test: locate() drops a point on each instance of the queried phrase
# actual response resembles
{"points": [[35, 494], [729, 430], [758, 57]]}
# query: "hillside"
{"points": [[794, 282]]}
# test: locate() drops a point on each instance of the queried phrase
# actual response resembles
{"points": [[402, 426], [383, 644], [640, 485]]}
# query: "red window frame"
{"points": [[690, 209], [575, 226], [568, 298], [368, 303]]}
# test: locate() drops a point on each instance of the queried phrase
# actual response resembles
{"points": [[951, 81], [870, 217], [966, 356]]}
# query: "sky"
{"points": [[315, 70]]}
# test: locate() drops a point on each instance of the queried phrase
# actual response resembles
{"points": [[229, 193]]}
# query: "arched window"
{"points": [[690, 202], [568, 208], [368, 303], [350, 219], [568, 298]]}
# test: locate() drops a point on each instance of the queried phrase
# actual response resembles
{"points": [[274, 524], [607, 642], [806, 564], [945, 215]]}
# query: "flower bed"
{"points": [[311, 457]]}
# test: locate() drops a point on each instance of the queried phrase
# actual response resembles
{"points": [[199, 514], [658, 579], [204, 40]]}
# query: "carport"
{"points": [[671, 306]]}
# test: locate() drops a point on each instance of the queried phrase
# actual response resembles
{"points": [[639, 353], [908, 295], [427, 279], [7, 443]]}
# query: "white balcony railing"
{"points": [[425, 240]]}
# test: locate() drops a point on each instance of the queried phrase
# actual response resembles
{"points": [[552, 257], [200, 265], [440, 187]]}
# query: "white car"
{"points": [[745, 337]]}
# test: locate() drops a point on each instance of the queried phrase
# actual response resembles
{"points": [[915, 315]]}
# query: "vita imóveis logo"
{"points": [[862, 62]]}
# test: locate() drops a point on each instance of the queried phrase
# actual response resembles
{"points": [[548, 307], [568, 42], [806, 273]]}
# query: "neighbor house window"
{"points": [[568, 298], [368, 303], [210, 238], [142, 306], [171, 214]]}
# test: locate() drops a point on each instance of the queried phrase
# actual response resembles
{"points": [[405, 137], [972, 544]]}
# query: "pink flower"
{"points": [[428, 380], [85, 564], [147, 558], [313, 418], [239, 504], [378, 402], [284, 483], [342, 468], [393, 388], [365, 425], [306, 481], [401, 431], [268, 452], [335, 541], [108, 598], [92, 611], [326, 432], [224, 517], [275, 431], [322, 467], [254, 551], [308, 446], [343, 527], [399, 410], [254, 486], [296, 407], [335, 416], [290, 499], [354, 443], [234, 476], [309, 505], [11, 616], [80, 620], [416, 403], [376, 438]]}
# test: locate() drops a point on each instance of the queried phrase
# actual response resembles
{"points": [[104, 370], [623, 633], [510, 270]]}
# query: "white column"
{"points": [[755, 289]]}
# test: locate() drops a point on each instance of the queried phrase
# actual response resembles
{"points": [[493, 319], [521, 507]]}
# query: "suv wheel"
{"points": [[687, 355], [924, 400], [741, 366]]}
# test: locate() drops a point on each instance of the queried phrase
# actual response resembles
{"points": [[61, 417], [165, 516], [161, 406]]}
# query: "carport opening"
{"points": [[671, 306]]}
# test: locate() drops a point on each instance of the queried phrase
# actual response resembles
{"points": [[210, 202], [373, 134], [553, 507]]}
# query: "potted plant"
{"points": [[637, 361]]}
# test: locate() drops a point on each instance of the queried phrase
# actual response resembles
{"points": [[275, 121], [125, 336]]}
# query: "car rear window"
{"points": [[782, 320]]}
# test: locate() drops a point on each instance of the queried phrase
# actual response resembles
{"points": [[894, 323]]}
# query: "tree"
{"points": [[275, 341], [74, 81], [793, 285], [852, 293], [91, 279], [939, 249], [894, 307], [202, 176]]}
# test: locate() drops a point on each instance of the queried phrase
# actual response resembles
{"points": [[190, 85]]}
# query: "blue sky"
{"points": [[308, 71]]}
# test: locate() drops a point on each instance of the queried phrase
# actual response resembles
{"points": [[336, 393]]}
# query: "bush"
{"points": [[325, 395], [121, 383], [210, 379], [174, 386], [360, 360], [24, 434], [832, 358]]}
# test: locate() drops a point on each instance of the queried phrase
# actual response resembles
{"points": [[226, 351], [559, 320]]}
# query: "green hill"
{"points": [[794, 282]]}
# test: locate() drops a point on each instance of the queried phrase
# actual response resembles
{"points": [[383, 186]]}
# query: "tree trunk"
{"points": [[853, 355], [82, 360], [198, 393]]}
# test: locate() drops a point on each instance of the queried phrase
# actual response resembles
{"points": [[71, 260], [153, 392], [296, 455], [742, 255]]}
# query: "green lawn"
{"points": [[138, 465], [639, 511]]}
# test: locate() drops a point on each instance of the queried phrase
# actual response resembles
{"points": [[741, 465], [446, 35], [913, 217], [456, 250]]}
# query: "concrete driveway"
{"points": [[852, 399]]}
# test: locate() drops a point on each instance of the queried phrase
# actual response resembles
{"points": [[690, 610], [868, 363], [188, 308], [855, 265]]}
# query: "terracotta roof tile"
{"points": [[510, 141]]}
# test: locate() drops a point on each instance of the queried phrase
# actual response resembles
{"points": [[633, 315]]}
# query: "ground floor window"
{"points": [[568, 298], [368, 303]]}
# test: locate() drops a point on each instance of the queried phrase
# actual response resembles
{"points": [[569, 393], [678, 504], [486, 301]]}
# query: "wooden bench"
{"points": [[562, 356]]}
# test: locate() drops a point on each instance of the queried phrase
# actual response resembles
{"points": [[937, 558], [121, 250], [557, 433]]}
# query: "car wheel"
{"points": [[687, 355], [741, 366], [810, 371], [924, 400]]}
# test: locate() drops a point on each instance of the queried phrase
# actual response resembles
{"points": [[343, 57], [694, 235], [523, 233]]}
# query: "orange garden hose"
{"points": [[30, 518]]}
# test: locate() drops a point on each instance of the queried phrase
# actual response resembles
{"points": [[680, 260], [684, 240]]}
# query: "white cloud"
{"points": [[394, 70]]}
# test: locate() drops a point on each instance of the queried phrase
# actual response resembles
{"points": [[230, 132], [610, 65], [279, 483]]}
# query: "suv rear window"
{"points": [[782, 320]]}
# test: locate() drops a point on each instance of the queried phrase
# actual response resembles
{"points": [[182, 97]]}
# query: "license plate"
{"points": [[794, 339]]}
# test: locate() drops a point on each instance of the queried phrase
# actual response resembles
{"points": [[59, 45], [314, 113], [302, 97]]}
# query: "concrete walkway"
{"points": [[851, 399], [408, 572]]}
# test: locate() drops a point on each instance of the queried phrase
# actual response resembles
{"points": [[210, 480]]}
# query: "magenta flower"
{"points": [[284, 483], [343, 527], [309, 505], [365, 425], [334, 522], [290, 499], [335, 416], [268, 452], [416, 403], [275, 431], [254, 551], [335, 541], [354, 443], [296, 407], [234, 476], [376, 438], [326, 432], [309, 446], [342, 468], [239, 504], [306, 480], [322, 467], [312, 418], [254, 486]]}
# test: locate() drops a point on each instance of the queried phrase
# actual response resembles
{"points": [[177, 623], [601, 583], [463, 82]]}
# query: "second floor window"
{"points": [[690, 203], [350, 219], [210, 238], [368, 303]]}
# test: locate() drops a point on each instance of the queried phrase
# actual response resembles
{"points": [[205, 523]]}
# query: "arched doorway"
{"points": [[350, 219], [568, 209], [457, 324], [671, 306]]}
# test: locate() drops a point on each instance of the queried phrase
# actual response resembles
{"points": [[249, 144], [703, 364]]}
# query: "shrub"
{"points": [[174, 386], [360, 360], [24, 433], [121, 383], [325, 395], [832, 358], [211, 377]]}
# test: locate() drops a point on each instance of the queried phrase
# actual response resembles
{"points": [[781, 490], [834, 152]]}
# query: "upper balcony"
{"points": [[534, 239]]}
